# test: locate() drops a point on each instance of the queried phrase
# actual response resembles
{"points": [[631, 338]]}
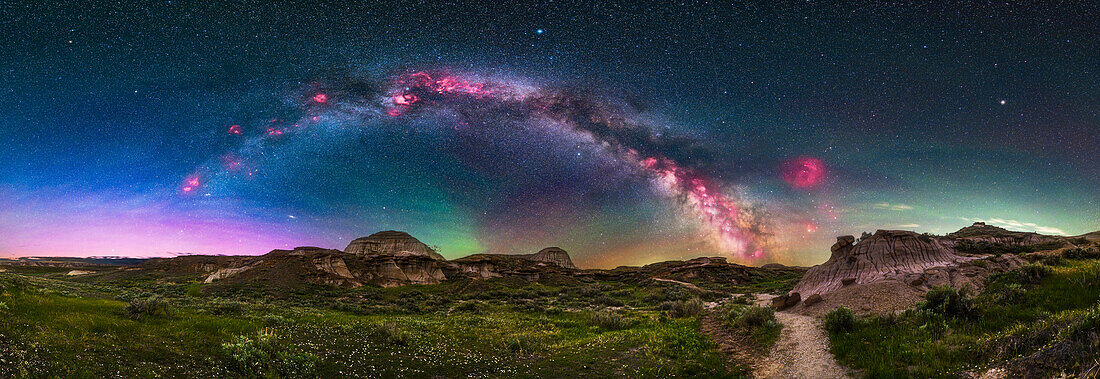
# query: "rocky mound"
{"points": [[553, 255], [390, 242], [890, 270], [980, 232]]}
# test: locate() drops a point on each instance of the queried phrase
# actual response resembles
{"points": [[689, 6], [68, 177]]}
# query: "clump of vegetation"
{"points": [[685, 308], [223, 307], [390, 332], [1081, 253], [261, 356], [1052, 260], [948, 301], [607, 301], [520, 344], [147, 307], [984, 247], [752, 317], [1031, 274], [610, 320], [840, 320], [756, 321], [468, 307]]}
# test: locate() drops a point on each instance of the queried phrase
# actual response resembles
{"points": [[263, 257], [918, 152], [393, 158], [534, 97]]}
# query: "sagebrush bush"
{"points": [[390, 333], [754, 316], [686, 308], [950, 302], [840, 319], [520, 344], [469, 307], [1031, 274], [607, 301], [1052, 260], [150, 306], [610, 320], [1081, 253]]}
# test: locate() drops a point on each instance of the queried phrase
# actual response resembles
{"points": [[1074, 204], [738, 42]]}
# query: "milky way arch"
{"points": [[729, 221]]}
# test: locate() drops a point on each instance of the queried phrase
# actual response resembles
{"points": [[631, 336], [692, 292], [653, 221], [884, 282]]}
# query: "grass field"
{"points": [[51, 326]]}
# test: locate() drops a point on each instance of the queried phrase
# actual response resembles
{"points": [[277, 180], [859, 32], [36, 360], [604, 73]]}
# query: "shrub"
{"points": [[686, 308], [1052, 260], [948, 301], [1031, 273], [390, 333], [260, 356], [520, 344], [1006, 294], [194, 290], [140, 307], [222, 307], [469, 307], [3, 306], [607, 301], [983, 247], [840, 319], [750, 316], [609, 320], [1081, 253]]}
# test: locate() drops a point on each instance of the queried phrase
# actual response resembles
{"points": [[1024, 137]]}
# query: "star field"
{"points": [[624, 132]]}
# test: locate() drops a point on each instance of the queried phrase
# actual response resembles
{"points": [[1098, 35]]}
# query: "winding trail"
{"points": [[801, 352]]}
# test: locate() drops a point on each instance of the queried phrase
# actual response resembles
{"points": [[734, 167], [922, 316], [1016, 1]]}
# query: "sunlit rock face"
{"points": [[390, 243]]}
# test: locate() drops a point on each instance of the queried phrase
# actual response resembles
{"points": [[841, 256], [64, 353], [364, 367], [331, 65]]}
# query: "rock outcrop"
{"points": [[886, 255], [891, 269], [390, 243], [981, 232], [553, 255]]}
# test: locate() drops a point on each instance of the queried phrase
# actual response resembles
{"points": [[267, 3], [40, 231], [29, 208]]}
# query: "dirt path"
{"points": [[801, 352]]}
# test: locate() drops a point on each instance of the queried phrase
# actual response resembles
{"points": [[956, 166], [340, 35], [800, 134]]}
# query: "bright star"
{"points": [[1002, 102], [539, 31]]}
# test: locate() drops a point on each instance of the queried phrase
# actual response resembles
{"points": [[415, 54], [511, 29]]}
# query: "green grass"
{"points": [[926, 342], [57, 328]]}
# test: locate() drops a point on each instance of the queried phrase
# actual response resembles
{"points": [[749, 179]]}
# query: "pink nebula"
{"points": [[804, 172]]}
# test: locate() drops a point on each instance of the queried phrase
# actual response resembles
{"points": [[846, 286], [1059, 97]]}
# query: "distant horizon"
{"points": [[1001, 223]]}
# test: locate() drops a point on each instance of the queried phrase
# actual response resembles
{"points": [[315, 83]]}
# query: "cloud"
{"points": [[907, 226], [892, 207], [1014, 224]]}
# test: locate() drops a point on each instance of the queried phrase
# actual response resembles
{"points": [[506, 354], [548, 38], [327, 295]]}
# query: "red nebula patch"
{"points": [[190, 184], [235, 129], [320, 98], [804, 172]]}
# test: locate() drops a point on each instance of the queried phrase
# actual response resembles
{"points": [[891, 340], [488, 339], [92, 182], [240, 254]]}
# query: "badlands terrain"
{"points": [[980, 302]]}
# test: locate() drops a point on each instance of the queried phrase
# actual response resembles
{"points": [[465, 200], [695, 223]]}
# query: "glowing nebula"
{"points": [[804, 172]]}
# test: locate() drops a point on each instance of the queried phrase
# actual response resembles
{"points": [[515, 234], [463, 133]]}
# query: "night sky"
{"points": [[624, 133]]}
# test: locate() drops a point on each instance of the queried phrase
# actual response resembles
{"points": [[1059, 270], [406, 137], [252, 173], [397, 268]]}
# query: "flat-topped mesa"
{"points": [[886, 255], [553, 255], [391, 242]]}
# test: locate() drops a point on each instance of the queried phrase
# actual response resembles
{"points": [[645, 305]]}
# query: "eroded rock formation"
{"points": [[553, 255], [390, 243]]}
